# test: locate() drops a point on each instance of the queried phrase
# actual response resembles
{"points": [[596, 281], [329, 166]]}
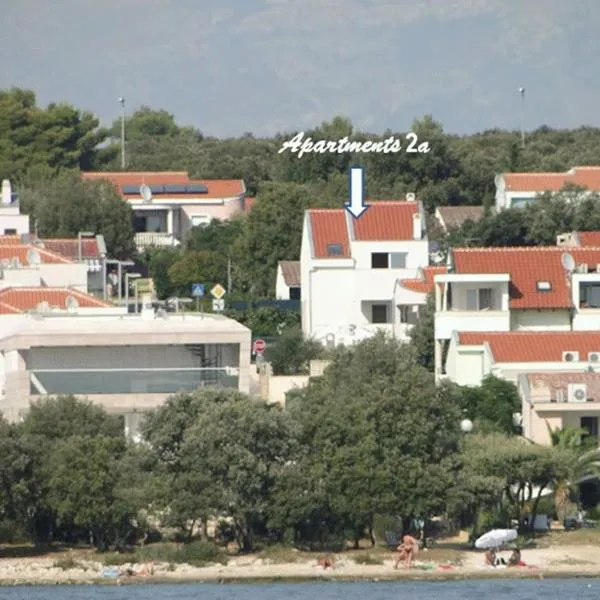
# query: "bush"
{"points": [[66, 563], [117, 559], [368, 559], [197, 554]]}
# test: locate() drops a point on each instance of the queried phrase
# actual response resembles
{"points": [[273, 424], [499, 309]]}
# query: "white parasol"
{"points": [[495, 538]]}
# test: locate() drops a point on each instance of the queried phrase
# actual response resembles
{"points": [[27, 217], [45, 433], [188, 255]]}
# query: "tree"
{"points": [[58, 136], [159, 261], [66, 205], [206, 267], [380, 431], [292, 353], [146, 122], [422, 335]]}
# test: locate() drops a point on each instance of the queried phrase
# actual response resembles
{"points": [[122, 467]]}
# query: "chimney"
{"points": [[417, 226], [6, 193]]}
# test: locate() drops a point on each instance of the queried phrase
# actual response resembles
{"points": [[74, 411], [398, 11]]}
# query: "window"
{"points": [[480, 299], [544, 286], [379, 313], [294, 293], [398, 260], [409, 314], [380, 260], [403, 314], [590, 424], [589, 295], [521, 202], [391, 260], [10, 232], [200, 220], [335, 250]]}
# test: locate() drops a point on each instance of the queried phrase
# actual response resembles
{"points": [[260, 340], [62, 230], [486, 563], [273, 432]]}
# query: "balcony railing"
{"points": [[129, 381], [145, 239]]}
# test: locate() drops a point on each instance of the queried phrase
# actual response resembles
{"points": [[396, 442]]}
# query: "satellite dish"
{"points": [[568, 262], [43, 307], [71, 302], [33, 257], [146, 193]]}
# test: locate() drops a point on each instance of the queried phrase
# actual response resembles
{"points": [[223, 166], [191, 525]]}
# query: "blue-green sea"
{"points": [[533, 589]]}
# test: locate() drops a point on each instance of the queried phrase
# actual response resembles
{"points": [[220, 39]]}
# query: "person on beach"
{"points": [[490, 558], [515, 559], [406, 551]]}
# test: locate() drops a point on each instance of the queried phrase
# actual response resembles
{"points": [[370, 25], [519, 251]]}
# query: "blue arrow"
{"points": [[357, 207]]}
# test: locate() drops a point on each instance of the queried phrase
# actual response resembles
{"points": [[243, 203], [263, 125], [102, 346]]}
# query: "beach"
{"points": [[560, 561]]}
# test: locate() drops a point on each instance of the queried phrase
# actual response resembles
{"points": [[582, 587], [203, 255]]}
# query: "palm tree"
{"points": [[583, 464]]}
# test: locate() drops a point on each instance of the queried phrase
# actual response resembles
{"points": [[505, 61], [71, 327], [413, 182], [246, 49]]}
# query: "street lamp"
{"points": [[120, 264], [129, 276], [522, 92], [466, 425], [80, 235], [122, 102]]}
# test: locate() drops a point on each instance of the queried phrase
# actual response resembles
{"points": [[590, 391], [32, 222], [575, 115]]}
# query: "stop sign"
{"points": [[259, 346]]}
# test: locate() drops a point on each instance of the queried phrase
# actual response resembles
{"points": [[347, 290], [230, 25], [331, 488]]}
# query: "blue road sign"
{"points": [[197, 290]]}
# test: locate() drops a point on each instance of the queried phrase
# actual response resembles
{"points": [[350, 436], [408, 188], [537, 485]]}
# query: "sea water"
{"points": [[531, 589]]}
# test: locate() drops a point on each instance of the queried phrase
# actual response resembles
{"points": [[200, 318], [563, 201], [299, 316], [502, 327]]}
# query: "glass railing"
{"points": [[134, 381]]}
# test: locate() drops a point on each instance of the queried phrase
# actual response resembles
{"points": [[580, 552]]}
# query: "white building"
{"points": [[12, 222], [287, 284], [514, 190], [513, 290], [173, 203], [349, 269], [126, 363]]}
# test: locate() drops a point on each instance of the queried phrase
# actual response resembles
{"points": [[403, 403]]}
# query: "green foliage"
{"points": [[292, 353], [422, 335], [66, 563], [196, 554]]}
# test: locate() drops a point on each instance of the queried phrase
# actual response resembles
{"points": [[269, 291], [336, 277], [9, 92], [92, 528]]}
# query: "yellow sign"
{"points": [[218, 291], [144, 286]]}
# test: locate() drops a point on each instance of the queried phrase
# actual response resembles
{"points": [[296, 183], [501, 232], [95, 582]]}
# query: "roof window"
{"points": [[335, 250], [544, 286]]}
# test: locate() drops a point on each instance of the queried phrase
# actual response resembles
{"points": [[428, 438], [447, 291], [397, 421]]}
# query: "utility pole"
{"points": [[122, 102], [522, 92], [229, 275]]}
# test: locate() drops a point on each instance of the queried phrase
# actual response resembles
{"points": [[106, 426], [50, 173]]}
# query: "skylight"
{"points": [[335, 250], [544, 286]]}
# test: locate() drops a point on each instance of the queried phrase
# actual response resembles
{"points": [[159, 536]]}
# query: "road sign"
{"points": [[259, 346], [218, 305], [144, 286], [197, 290], [218, 291]]}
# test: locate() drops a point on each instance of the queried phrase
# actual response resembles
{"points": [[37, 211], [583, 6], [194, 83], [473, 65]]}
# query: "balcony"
{"points": [[147, 239], [446, 322], [128, 381]]}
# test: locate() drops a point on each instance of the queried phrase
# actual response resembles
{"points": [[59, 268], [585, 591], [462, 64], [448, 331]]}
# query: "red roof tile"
{"points": [[527, 266], [217, 188], [589, 238], [588, 177], [67, 247], [9, 251], [424, 283], [6, 309], [21, 299], [389, 220], [534, 346], [328, 226]]}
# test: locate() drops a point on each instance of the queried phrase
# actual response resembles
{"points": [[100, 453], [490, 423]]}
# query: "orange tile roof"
{"points": [[9, 251], [555, 382], [217, 188], [328, 226], [424, 283], [67, 247], [588, 238], [527, 266], [386, 220], [22, 299], [588, 177], [534, 346], [6, 309]]}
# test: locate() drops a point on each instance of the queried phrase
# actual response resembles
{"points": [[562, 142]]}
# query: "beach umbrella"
{"points": [[495, 538]]}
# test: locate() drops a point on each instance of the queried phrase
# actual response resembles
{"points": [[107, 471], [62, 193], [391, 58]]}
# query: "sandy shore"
{"points": [[562, 561]]}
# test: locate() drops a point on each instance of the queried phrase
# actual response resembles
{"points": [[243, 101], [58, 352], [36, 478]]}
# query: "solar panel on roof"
{"points": [[175, 189], [131, 189], [157, 189], [197, 188]]}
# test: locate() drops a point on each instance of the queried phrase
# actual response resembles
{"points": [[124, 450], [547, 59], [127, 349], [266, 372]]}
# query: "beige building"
{"points": [[558, 400], [126, 363]]}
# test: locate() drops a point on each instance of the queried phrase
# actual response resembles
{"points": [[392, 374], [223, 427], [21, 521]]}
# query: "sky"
{"points": [[228, 67]]}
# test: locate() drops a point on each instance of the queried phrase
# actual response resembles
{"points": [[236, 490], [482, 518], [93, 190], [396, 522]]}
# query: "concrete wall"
{"points": [[540, 320], [274, 388]]}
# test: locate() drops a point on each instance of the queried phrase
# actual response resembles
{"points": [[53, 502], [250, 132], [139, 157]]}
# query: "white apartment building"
{"points": [[167, 204], [12, 222], [126, 363], [349, 270], [515, 190], [512, 290]]}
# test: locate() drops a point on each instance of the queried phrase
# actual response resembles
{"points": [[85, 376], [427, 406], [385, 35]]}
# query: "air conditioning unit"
{"points": [[570, 356], [410, 197], [577, 392], [594, 356], [582, 268]]}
